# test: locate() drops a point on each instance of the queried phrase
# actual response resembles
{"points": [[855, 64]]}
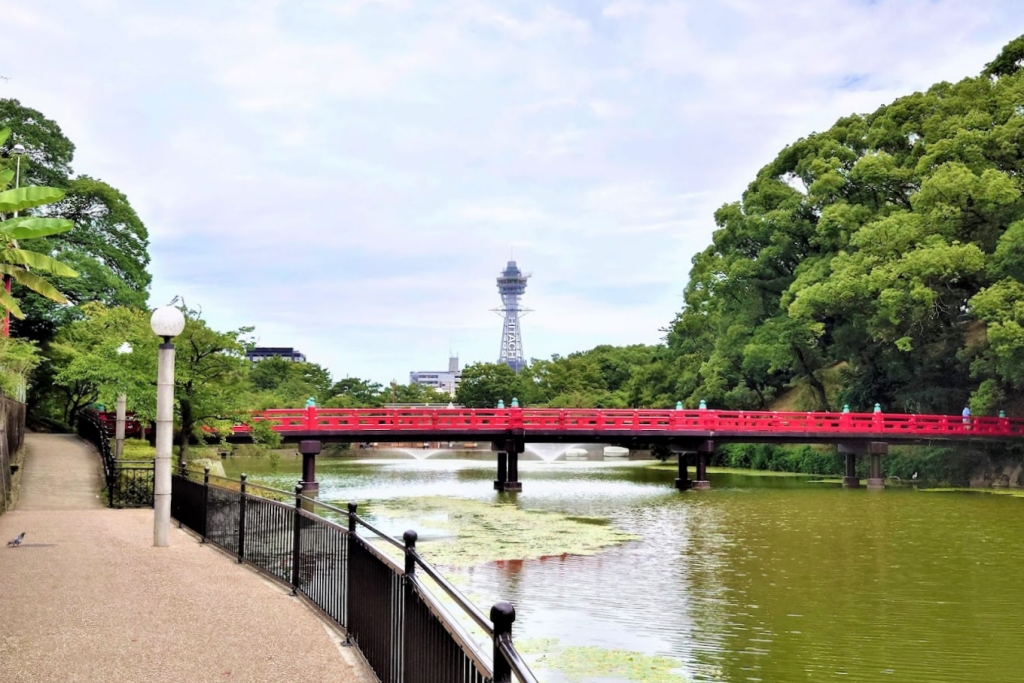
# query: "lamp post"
{"points": [[167, 322], [18, 151], [122, 405]]}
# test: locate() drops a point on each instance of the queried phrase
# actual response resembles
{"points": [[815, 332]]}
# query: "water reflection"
{"points": [[768, 579]]}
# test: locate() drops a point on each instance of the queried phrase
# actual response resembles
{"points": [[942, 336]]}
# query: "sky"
{"points": [[349, 177]]}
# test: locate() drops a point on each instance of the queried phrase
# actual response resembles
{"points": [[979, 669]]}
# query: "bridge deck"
{"points": [[625, 426]]}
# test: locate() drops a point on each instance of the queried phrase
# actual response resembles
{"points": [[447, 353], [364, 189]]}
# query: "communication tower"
{"points": [[511, 286]]}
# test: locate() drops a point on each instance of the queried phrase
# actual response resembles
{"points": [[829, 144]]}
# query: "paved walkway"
{"points": [[88, 597]]}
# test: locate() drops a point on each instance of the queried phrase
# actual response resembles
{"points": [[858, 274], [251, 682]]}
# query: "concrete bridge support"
{"points": [[851, 451], [683, 482], [704, 451], [508, 465], [876, 449], [309, 449]]}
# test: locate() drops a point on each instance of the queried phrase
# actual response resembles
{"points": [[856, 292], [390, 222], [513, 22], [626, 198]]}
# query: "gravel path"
{"points": [[88, 597]]}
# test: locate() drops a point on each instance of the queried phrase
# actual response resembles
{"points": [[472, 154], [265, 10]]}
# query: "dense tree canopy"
{"points": [[109, 247], [879, 261]]}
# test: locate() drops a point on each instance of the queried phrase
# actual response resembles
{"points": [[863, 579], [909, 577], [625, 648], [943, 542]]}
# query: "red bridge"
{"points": [[685, 431]]}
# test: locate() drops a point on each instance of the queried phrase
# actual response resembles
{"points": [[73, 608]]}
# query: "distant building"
{"points": [[264, 352], [446, 381]]}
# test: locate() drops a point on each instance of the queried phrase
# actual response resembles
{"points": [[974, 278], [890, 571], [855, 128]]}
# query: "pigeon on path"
{"points": [[16, 541]]}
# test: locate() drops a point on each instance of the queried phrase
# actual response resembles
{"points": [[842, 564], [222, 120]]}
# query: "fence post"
{"points": [[111, 477], [297, 540], [352, 517], [241, 521], [410, 537], [206, 501], [182, 473], [502, 616], [352, 507]]}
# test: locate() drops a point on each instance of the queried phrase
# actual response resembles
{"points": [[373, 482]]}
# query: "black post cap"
{"points": [[352, 507], [502, 615], [410, 537]]}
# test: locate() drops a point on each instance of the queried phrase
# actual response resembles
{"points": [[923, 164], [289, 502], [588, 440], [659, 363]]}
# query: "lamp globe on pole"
{"points": [[19, 151], [167, 322], [122, 410]]}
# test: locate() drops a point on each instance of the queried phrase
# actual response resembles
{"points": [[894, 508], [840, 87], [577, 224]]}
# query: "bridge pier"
{"points": [[499, 483], [683, 482], [508, 465], [701, 482], [309, 449], [851, 480], [876, 449], [705, 450]]}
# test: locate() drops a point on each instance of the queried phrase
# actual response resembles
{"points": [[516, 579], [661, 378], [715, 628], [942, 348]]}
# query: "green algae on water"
{"points": [[481, 532], [1013, 493], [588, 663]]}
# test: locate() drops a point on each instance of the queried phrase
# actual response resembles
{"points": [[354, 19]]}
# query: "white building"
{"points": [[446, 381]]}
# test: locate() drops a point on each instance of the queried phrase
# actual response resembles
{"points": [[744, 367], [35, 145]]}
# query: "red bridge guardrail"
{"points": [[464, 420]]}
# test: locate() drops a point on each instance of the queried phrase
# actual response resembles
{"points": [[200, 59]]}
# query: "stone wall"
{"points": [[12, 435]]}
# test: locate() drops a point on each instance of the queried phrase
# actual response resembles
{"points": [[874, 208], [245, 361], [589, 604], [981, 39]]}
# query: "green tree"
{"points": [[20, 264], [211, 375], [353, 392], [280, 383], [89, 366], [881, 251], [484, 384], [109, 246]]}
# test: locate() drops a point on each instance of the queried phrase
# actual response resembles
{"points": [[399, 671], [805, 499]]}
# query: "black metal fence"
{"points": [[129, 482], [12, 434], [402, 629]]}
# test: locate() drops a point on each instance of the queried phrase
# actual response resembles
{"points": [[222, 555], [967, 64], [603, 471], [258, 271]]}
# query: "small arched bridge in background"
{"points": [[686, 432]]}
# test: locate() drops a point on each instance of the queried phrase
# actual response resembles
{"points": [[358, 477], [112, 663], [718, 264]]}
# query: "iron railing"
{"points": [[129, 483], [599, 424], [402, 629]]}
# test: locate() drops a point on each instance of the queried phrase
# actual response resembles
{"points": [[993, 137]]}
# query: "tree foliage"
{"points": [[891, 245], [22, 265], [109, 247]]}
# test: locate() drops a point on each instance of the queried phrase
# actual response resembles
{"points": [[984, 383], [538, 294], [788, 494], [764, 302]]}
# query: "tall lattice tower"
{"points": [[511, 286]]}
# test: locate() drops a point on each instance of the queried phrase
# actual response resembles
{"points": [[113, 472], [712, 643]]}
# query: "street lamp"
{"points": [[167, 322], [18, 151], [122, 410]]}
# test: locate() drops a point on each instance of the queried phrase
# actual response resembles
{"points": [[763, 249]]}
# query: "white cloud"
{"points": [[350, 176]]}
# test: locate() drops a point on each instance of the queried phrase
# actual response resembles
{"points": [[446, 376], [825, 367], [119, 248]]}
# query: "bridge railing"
{"points": [[379, 589], [463, 420], [129, 483]]}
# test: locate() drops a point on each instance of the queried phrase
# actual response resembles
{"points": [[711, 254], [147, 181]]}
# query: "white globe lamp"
{"points": [[167, 322]]}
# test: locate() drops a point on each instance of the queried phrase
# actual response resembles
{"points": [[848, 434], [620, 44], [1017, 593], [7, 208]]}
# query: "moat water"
{"points": [[760, 579]]}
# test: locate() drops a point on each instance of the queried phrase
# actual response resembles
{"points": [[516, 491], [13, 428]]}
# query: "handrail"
{"points": [[520, 667], [453, 592], [372, 423], [503, 641]]}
